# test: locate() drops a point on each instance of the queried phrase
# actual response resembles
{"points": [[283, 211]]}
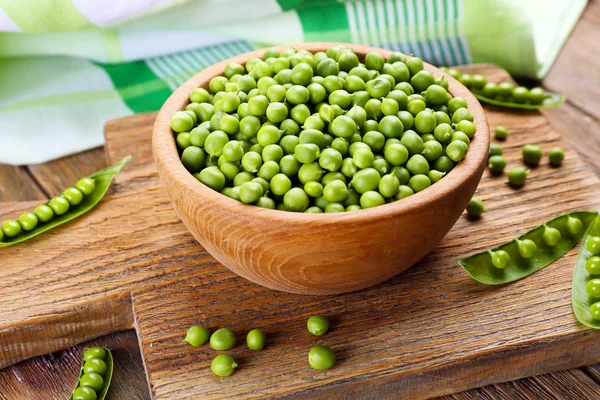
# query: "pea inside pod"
{"points": [[585, 296], [93, 383], [75, 201], [529, 252]]}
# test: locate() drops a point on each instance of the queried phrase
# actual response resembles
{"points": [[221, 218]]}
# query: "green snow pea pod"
{"points": [[585, 305], [93, 189], [522, 262]]}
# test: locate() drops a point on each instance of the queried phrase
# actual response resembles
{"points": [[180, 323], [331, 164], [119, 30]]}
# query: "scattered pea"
{"points": [[475, 207], [517, 176], [197, 335], [318, 325], [532, 154], [222, 339], [500, 133], [223, 365], [321, 357], [556, 155]]}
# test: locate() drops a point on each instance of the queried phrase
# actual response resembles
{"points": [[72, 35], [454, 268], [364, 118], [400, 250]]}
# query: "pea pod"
{"points": [[552, 100], [587, 268], [95, 376], [529, 252], [85, 202]]}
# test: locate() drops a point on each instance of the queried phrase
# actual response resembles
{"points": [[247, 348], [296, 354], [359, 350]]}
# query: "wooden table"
{"points": [[576, 73]]}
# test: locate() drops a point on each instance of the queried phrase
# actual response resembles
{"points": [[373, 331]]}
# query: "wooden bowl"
{"points": [[316, 254]]}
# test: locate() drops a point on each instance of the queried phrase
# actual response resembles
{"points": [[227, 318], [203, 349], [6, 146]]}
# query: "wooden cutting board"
{"points": [[432, 330]]}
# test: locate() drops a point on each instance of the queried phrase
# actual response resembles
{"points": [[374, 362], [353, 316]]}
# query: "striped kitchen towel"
{"points": [[68, 66]]}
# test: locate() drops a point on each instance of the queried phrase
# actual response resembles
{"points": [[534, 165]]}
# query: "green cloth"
{"points": [[67, 66]]}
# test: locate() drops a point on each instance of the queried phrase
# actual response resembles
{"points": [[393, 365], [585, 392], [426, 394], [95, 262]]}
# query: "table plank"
{"points": [[17, 185]]}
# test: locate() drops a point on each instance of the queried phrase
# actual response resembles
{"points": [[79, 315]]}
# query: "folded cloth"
{"points": [[68, 66]]}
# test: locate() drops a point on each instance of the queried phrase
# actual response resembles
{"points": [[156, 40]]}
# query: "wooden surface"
{"points": [[579, 128], [314, 253], [445, 328]]}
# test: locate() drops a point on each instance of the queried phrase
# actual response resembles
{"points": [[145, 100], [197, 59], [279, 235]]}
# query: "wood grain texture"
{"points": [[53, 376], [576, 72], [430, 331], [17, 185], [314, 253]]}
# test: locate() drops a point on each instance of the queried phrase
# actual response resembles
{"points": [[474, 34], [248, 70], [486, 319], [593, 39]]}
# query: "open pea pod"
{"points": [[587, 268], [551, 100], [102, 180], [521, 258], [99, 385]]}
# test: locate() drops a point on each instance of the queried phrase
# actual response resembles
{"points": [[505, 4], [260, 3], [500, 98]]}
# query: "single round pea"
{"points": [[256, 339], [313, 189], [353, 207], [366, 180], [96, 365], [520, 94], [475, 207], [84, 393], [268, 134], [443, 164], [391, 126], [378, 87], [500, 133], [465, 79], [348, 168], [417, 164], [223, 365], [335, 191], [593, 288], [441, 117], [532, 154], [468, 127], [593, 244], [92, 380], [94, 352], [314, 210], [403, 192], [504, 90], [527, 248], [332, 176], [222, 339], [321, 358], [421, 80], [443, 133], [495, 150], [537, 95], [419, 182], [11, 228], [212, 177], [406, 118], [595, 311], [435, 176], [396, 154], [371, 199], [183, 140], [86, 185], [458, 135], [272, 152], [197, 335], [457, 150], [43, 213], [181, 121], [252, 161], [280, 184], [334, 207], [500, 259], [330, 159], [59, 205], [496, 164], [432, 150], [343, 126], [382, 166], [435, 94], [517, 176], [363, 158], [556, 155], [74, 195], [289, 166], [28, 220], [318, 325], [250, 192], [389, 185], [592, 265], [456, 103], [489, 90], [402, 174], [551, 236], [199, 95], [574, 225], [462, 114], [306, 153], [266, 202], [412, 142], [414, 107], [268, 170], [478, 81], [310, 172], [296, 199]]}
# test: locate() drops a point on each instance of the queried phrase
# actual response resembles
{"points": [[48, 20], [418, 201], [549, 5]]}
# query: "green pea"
{"points": [[252, 161], [389, 185], [296, 199], [192, 158], [347, 60], [280, 184], [478, 81], [468, 127], [593, 244], [574, 225], [489, 90], [256, 339], [366, 180], [520, 94], [417, 164], [268, 134], [556, 155], [266, 202], [414, 107], [402, 174], [223, 365], [183, 140], [396, 154], [94, 352], [436, 94], [212, 177], [59, 205], [462, 114], [92, 380], [406, 118], [28, 220], [197, 335], [272, 152], [11, 228], [500, 133], [405, 87], [441, 117], [495, 150], [421, 80], [595, 311], [363, 158], [222, 339], [527, 248], [435, 176], [310, 172], [419, 182], [391, 126], [517, 176], [318, 325], [443, 133], [330, 159], [444, 164], [412, 142], [382, 166], [199, 95], [289, 166], [43, 213], [181, 121], [268, 170], [500, 259], [96, 365], [371, 199], [403, 192], [496, 164], [551, 236], [334, 207], [343, 126], [314, 210], [475, 207], [250, 192], [353, 207], [592, 265], [457, 150], [335, 191], [532, 154], [84, 393], [593, 288], [432, 150], [86, 185]]}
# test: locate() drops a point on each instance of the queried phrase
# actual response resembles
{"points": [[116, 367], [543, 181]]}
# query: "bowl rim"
{"points": [[166, 155]]}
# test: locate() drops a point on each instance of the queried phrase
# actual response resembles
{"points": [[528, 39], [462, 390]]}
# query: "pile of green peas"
{"points": [[323, 132], [94, 376], [44, 213], [504, 91]]}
